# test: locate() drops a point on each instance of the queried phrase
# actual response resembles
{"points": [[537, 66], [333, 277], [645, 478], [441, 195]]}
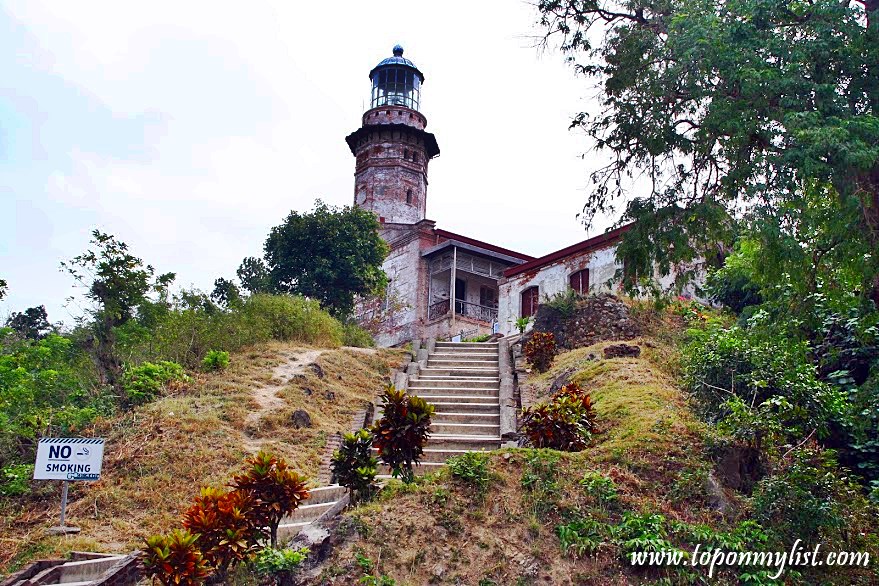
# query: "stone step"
{"points": [[472, 443], [475, 398], [478, 429], [443, 418], [437, 455], [460, 363], [446, 381], [433, 371], [455, 407]]}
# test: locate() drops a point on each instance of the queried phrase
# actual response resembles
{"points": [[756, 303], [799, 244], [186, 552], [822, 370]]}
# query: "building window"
{"points": [[579, 282], [530, 298], [415, 157], [405, 154], [409, 196]]}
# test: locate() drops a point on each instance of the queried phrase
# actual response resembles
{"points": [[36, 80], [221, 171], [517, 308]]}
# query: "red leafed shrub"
{"points": [[225, 526], [540, 350], [175, 559], [565, 422], [276, 490], [402, 432]]}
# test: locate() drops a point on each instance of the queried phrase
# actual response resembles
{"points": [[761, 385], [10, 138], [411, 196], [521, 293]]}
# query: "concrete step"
{"points": [[477, 399], [325, 494], [464, 355], [472, 443], [384, 471], [442, 418], [309, 512], [478, 429], [438, 455], [287, 531], [434, 371], [460, 363], [454, 391], [455, 407], [448, 381], [460, 345]]}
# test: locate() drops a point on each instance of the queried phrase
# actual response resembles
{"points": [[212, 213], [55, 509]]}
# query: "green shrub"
{"points": [[15, 480], [522, 324], [354, 466], [279, 564], [215, 360], [289, 317], [540, 481], [809, 499], [144, 382], [472, 469], [402, 432], [581, 537], [478, 339], [646, 532], [354, 335], [600, 487], [540, 350], [565, 302], [748, 374]]}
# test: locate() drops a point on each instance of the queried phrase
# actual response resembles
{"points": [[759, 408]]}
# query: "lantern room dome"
{"points": [[396, 60], [396, 82]]}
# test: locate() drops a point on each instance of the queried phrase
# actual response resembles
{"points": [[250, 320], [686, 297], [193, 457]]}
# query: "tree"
{"points": [[726, 107], [254, 275], [226, 293], [32, 323], [116, 282], [3, 288], [330, 254]]}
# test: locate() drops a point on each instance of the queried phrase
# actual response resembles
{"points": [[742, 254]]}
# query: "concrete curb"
{"points": [[507, 391]]}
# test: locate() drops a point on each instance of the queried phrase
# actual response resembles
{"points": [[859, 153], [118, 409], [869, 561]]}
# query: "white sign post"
{"points": [[66, 459]]}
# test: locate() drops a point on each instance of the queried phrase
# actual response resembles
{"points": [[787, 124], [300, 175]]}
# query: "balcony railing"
{"points": [[463, 308]]}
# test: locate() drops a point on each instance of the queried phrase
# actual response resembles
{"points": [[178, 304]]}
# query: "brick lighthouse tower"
{"points": [[392, 147]]}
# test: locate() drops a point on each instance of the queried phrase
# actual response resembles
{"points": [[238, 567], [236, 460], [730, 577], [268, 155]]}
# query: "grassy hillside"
{"points": [[159, 455], [549, 517]]}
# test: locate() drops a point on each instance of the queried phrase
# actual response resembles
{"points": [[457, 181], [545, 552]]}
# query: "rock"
{"points": [[308, 392], [622, 351], [300, 418], [316, 368], [507, 456], [716, 497], [439, 570], [561, 380], [739, 467], [330, 396]]}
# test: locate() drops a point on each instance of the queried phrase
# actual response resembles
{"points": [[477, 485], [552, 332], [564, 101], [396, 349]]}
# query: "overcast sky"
{"points": [[189, 129]]}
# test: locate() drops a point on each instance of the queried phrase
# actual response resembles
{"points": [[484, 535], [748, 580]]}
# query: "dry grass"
{"points": [[158, 456], [438, 532]]}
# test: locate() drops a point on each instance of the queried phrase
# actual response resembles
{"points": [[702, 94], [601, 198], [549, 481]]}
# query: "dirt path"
{"points": [[295, 362]]}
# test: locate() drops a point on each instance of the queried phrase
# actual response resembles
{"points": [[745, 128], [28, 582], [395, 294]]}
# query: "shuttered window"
{"points": [[579, 282], [530, 298]]}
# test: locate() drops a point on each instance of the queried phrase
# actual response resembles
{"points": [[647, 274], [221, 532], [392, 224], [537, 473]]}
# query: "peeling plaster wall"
{"points": [[552, 279]]}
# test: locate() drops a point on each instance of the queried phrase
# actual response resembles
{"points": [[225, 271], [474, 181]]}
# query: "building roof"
{"points": [[430, 145], [480, 244], [597, 242], [397, 59]]}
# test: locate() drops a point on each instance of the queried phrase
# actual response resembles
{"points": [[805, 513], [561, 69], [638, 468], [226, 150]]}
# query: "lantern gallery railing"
{"points": [[463, 308]]}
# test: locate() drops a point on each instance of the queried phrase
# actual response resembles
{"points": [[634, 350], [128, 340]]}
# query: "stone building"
{"points": [[443, 284]]}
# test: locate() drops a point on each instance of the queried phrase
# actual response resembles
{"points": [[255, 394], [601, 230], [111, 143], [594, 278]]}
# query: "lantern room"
{"points": [[396, 82]]}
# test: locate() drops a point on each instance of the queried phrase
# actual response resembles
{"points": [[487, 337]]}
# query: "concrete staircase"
{"points": [[462, 381], [322, 499]]}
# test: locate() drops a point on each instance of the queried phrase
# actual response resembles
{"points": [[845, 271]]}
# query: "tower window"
{"points": [[409, 196], [415, 157], [405, 154]]}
